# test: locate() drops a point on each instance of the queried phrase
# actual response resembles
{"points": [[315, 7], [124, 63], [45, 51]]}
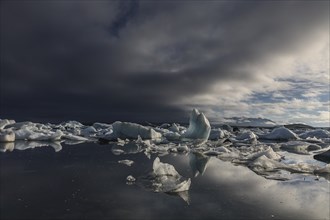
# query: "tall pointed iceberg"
{"points": [[199, 127]]}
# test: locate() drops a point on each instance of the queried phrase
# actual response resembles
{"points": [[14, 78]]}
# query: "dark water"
{"points": [[86, 181]]}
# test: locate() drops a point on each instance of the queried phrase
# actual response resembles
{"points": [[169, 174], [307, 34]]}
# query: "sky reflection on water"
{"points": [[86, 182]]}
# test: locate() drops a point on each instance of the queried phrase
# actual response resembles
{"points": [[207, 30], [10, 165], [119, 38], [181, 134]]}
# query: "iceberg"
{"points": [[280, 133], [130, 130], [199, 127]]}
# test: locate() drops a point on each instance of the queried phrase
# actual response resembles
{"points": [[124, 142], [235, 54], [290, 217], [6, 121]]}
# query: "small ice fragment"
{"points": [[269, 153], [216, 134], [167, 179], [126, 162], [130, 180], [182, 148]]}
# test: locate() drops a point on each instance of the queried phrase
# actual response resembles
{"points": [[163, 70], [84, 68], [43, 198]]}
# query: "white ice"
{"points": [[280, 133], [319, 133], [167, 179], [129, 130], [199, 127], [126, 162], [7, 135]]}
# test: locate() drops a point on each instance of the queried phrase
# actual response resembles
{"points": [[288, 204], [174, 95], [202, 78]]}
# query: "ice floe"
{"points": [[268, 152], [129, 130], [319, 133], [126, 162], [280, 133]]}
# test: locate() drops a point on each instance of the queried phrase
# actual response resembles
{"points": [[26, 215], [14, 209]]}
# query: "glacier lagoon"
{"points": [[170, 171]]}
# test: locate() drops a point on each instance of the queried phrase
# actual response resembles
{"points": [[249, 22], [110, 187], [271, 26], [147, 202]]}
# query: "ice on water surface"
{"points": [[165, 178], [274, 153]]}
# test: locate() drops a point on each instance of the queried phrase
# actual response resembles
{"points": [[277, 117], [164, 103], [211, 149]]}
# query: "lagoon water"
{"points": [[85, 181]]}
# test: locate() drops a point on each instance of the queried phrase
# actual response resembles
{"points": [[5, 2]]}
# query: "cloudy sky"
{"points": [[154, 61]]}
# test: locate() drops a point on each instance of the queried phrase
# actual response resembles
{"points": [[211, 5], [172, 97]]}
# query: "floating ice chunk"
{"points": [[163, 169], [7, 135], [264, 163], [174, 128], [130, 180], [23, 133], [49, 136], [319, 133], [280, 133], [167, 179], [217, 151], [199, 127], [129, 130], [101, 126], [171, 136], [299, 147], [5, 122], [182, 148], [126, 162], [246, 137], [71, 124], [324, 157], [131, 147], [216, 134], [19, 125], [268, 152], [88, 131]]}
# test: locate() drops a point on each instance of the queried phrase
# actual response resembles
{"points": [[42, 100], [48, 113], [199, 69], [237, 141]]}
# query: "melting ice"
{"points": [[274, 153]]}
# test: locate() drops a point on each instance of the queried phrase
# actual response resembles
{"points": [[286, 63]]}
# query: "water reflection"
{"points": [[7, 146], [198, 163], [24, 145], [87, 182]]}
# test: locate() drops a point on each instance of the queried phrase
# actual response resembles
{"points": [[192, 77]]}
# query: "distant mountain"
{"points": [[250, 122], [298, 126]]}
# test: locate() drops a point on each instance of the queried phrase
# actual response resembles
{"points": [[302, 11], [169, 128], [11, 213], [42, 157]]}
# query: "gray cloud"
{"points": [[137, 60]]}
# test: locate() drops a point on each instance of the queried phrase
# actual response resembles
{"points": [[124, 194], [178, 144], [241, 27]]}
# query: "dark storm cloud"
{"points": [[134, 60]]}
